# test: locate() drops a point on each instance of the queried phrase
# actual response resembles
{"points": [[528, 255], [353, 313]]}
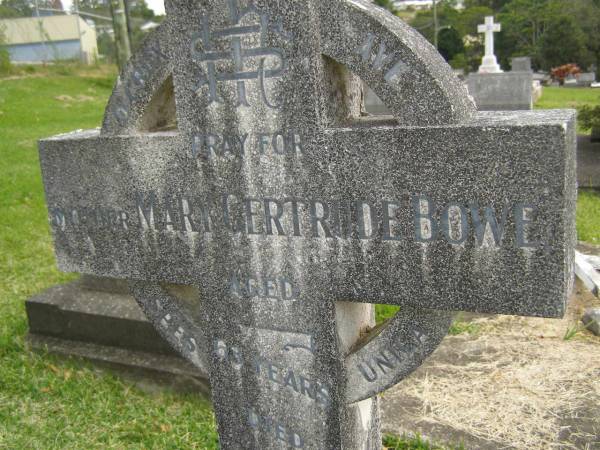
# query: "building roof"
{"points": [[29, 30]]}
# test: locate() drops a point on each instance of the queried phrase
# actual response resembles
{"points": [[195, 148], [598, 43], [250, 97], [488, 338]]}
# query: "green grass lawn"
{"points": [[574, 98], [588, 216], [588, 208], [46, 403], [557, 98]]}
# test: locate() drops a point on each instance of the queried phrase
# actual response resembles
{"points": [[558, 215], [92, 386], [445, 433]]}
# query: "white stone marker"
{"points": [[489, 63]]}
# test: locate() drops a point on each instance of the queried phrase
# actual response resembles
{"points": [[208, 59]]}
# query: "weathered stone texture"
{"points": [[256, 232]]}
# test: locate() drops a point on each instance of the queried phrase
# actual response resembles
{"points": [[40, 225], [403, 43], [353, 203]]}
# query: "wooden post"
{"points": [[117, 10]]}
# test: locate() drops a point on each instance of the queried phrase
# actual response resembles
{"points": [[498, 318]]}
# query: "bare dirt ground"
{"points": [[514, 383]]}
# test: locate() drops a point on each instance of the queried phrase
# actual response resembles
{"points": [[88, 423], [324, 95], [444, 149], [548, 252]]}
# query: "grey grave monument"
{"points": [[521, 64], [570, 81], [586, 79], [259, 228], [495, 90]]}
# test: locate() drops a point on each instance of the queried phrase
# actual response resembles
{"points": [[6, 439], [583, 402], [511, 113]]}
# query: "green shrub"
{"points": [[589, 117], [5, 66], [460, 62], [414, 443]]}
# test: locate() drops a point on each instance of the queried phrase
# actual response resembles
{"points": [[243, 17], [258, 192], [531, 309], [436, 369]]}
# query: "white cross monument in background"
{"points": [[489, 63]]}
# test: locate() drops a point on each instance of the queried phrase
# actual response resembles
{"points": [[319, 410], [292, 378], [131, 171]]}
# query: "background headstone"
{"points": [[494, 90], [587, 272], [591, 320], [507, 91], [586, 79], [521, 64], [570, 81]]}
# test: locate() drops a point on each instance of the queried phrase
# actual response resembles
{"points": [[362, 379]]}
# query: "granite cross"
{"points": [[489, 63], [258, 213]]}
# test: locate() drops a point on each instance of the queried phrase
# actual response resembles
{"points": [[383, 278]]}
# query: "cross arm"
{"points": [[483, 219], [460, 217]]}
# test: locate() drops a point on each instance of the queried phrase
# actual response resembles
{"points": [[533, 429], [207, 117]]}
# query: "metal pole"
{"points": [[435, 24], [41, 27], [117, 9], [128, 20]]}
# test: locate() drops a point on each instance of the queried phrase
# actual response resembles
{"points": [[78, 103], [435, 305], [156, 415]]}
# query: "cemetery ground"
{"points": [[496, 382], [558, 97]]}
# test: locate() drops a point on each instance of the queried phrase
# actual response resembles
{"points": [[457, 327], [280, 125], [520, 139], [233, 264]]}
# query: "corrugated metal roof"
{"points": [[28, 30]]}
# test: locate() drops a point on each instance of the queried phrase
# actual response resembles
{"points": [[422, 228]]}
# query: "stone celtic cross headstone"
{"points": [[257, 213]]}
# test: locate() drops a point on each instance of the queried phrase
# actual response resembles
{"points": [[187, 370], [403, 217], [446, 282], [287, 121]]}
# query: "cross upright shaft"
{"points": [[489, 28]]}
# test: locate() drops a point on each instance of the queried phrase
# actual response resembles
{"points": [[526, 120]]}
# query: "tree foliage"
{"points": [[589, 117], [564, 41], [450, 43], [464, 25], [5, 65], [16, 8], [25, 8], [552, 32], [140, 9], [388, 4], [495, 5], [139, 13]]}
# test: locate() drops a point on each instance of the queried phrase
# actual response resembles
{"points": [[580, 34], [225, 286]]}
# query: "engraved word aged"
{"points": [[263, 287]]}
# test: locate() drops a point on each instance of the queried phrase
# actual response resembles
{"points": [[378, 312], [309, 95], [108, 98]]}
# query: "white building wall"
{"points": [[50, 38]]}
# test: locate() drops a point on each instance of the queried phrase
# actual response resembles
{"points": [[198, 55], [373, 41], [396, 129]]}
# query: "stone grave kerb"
{"points": [[256, 233]]}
